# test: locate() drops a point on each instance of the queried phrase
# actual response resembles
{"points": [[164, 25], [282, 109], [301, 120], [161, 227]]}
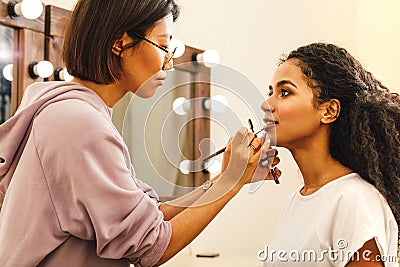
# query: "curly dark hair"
{"points": [[365, 137]]}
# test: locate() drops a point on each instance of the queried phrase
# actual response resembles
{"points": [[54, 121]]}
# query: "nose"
{"points": [[266, 106]]}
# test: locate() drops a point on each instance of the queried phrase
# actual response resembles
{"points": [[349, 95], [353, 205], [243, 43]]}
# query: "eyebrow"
{"points": [[283, 82]]}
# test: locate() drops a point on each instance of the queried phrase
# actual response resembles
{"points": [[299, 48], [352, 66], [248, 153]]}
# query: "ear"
{"points": [[117, 48], [330, 111], [119, 44]]}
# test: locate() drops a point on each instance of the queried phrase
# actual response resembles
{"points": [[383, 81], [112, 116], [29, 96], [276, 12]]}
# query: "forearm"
{"points": [[171, 208], [188, 224]]}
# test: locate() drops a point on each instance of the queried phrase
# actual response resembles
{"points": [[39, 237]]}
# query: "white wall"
{"points": [[67, 4], [378, 42], [250, 36]]}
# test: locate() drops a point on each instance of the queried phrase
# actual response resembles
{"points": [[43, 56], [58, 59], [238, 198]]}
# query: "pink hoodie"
{"points": [[71, 196]]}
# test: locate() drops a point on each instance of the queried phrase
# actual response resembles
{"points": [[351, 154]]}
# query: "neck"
{"points": [[109, 93], [318, 167]]}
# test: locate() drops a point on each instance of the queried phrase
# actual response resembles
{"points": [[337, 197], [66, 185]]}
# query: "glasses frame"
{"points": [[168, 54]]}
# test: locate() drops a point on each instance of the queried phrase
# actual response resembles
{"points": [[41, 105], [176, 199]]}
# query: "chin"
{"points": [[147, 90]]}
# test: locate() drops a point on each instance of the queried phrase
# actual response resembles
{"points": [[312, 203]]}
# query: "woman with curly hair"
{"points": [[342, 127]]}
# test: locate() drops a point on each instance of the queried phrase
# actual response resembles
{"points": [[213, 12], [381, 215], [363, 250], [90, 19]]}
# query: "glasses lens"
{"points": [[169, 56]]}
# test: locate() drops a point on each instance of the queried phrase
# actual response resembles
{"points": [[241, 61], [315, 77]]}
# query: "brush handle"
{"points": [[223, 149], [215, 154]]}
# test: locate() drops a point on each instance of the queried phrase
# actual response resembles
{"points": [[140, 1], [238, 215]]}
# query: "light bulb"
{"points": [[210, 58], [66, 76], [214, 167], [42, 69], [181, 106], [180, 47], [184, 167], [61, 74], [217, 103], [8, 72], [30, 9]]}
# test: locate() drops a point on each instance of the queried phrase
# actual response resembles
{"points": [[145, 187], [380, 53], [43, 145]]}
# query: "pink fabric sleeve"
{"points": [[91, 186], [146, 188]]}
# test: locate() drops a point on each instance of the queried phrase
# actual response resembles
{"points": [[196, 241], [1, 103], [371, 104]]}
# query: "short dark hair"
{"points": [[94, 27]]}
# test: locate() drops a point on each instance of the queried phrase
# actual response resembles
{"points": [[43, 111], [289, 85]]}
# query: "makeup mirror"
{"points": [[164, 133], [6, 71]]}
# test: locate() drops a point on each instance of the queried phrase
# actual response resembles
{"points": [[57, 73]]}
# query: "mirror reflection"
{"points": [[158, 134], [6, 71]]}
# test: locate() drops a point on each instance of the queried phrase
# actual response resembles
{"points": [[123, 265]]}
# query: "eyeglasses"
{"points": [[168, 54]]}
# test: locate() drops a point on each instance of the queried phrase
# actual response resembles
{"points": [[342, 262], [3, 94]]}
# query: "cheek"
{"points": [[298, 119], [151, 61], [294, 113], [143, 64]]}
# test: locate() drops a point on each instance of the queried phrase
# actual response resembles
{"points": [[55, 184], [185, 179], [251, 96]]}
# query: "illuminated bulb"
{"points": [[42, 69], [8, 72], [180, 47], [67, 77], [30, 9], [210, 58], [213, 166], [217, 103], [61, 74], [184, 167], [181, 105]]}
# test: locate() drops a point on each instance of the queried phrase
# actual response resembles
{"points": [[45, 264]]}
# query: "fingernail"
{"points": [[264, 163], [268, 140], [263, 134], [264, 156]]}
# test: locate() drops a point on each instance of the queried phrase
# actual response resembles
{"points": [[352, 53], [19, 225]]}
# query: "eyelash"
{"points": [[284, 93]]}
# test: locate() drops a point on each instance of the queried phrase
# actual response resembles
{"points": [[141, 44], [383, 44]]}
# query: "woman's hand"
{"points": [[267, 161], [248, 163]]}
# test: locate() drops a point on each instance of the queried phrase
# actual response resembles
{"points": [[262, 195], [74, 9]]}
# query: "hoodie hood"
{"points": [[15, 131]]}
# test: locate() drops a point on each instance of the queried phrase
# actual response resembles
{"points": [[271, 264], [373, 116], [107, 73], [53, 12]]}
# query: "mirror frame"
{"points": [[28, 47]]}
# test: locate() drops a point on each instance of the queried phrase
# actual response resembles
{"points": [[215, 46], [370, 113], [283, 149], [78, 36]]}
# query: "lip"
{"points": [[269, 122], [160, 80]]}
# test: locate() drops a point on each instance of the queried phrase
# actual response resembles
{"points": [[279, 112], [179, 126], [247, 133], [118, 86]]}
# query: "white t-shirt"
{"points": [[327, 227]]}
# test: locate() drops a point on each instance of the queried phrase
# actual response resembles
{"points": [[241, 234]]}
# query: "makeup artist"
{"points": [[342, 127], [71, 195]]}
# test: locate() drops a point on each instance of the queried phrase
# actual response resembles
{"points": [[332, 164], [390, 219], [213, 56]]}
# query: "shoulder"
{"points": [[359, 213], [72, 121], [360, 205], [353, 188]]}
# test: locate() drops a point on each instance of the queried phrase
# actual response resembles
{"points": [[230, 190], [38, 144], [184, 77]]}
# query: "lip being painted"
{"points": [[160, 80], [269, 123]]}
